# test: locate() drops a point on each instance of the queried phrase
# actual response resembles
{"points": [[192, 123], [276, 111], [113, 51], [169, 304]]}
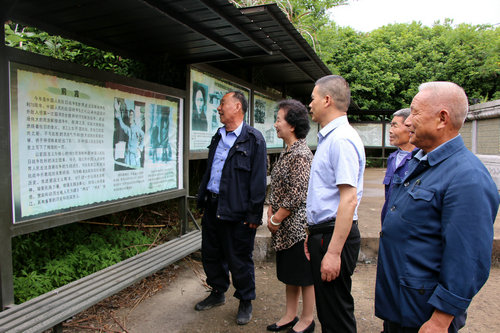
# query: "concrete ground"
{"points": [[171, 309]]}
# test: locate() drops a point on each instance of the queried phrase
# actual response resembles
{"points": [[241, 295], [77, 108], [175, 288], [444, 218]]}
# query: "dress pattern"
{"points": [[289, 182]]}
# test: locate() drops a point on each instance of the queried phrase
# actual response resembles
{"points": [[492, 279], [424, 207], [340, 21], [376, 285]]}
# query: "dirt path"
{"points": [[171, 309], [164, 302]]}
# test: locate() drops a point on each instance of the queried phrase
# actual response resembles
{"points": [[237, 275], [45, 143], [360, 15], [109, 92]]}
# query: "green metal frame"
{"points": [[7, 228]]}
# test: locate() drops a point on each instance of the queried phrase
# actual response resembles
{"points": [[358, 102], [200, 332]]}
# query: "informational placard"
{"points": [[78, 142], [206, 92], [387, 139], [312, 136], [265, 112], [371, 134]]}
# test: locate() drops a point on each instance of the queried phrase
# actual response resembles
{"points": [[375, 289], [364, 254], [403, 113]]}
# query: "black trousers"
{"points": [[227, 246], [390, 327], [334, 302]]}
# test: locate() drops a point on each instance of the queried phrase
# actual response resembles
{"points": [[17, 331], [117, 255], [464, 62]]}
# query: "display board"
{"points": [[371, 134], [78, 142], [265, 112], [312, 136], [206, 91], [387, 142]]}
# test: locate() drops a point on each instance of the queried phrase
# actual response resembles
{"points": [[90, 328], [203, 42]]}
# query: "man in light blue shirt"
{"points": [[227, 140], [335, 189]]}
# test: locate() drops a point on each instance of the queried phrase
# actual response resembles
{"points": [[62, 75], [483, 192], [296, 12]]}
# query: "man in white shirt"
{"points": [[335, 189]]}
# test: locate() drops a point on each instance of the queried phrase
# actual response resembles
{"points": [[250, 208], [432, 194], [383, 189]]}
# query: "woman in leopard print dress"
{"points": [[286, 216]]}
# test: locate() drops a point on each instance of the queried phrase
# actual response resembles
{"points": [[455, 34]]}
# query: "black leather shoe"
{"points": [[214, 299], [275, 328], [309, 329], [244, 313]]}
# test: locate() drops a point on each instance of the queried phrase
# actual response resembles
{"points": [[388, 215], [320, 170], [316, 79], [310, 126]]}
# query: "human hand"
{"points": [[272, 228], [438, 323], [252, 225], [330, 267], [306, 249]]}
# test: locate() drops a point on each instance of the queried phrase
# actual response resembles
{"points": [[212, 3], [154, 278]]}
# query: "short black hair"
{"points": [[337, 88], [296, 115], [241, 98]]}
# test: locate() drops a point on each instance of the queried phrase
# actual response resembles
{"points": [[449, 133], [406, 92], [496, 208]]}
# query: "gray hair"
{"points": [[402, 113], [337, 88], [450, 96]]}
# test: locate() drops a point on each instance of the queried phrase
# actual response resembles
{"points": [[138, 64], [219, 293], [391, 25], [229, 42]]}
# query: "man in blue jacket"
{"points": [[437, 235], [397, 162], [232, 194]]}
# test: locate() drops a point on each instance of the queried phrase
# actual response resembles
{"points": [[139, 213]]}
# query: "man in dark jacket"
{"points": [[232, 194]]}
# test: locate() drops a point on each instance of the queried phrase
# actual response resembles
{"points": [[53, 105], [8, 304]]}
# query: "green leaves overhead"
{"points": [[37, 41], [386, 66]]}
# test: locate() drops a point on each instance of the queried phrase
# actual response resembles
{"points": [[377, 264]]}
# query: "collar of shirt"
{"points": [[236, 132], [296, 145], [441, 152], [226, 142], [335, 123], [402, 155]]}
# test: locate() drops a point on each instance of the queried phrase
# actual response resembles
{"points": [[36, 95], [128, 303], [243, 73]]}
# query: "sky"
{"points": [[367, 15]]}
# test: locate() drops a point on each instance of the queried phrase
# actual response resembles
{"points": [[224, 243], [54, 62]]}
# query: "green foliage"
{"points": [[51, 258], [386, 66], [37, 41]]}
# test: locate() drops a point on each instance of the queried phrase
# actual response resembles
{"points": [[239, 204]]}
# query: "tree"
{"points": [[386, 66]]}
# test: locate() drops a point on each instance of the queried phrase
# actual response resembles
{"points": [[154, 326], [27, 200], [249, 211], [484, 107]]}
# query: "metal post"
{"points": [[6, 271], [384, 159], [183, 207], [474, 136], [186, 146]]}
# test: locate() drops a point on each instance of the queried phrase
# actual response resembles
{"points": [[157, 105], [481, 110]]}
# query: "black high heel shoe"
{"points": [[309, 329], [276, 328]]}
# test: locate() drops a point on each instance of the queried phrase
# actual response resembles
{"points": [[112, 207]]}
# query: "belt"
{"points": [[323, 228], [212, 195]]}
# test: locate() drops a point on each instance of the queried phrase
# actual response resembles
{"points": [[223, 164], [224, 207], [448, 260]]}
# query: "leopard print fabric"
{"points": [[289, 180]]}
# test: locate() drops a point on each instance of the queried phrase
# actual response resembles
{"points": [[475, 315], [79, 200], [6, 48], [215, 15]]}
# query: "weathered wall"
{"points": [[481, 131], [466, 133], [488, 138]]}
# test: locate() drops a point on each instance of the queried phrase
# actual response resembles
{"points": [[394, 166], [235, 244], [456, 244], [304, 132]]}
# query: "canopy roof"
{"points": [[258, 44]]}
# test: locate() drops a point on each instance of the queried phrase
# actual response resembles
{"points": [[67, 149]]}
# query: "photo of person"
{"points": [[199, 107], [260, 111], [214, 102], [154, 132], [159, 146], [166, 149], [129, 134]]}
